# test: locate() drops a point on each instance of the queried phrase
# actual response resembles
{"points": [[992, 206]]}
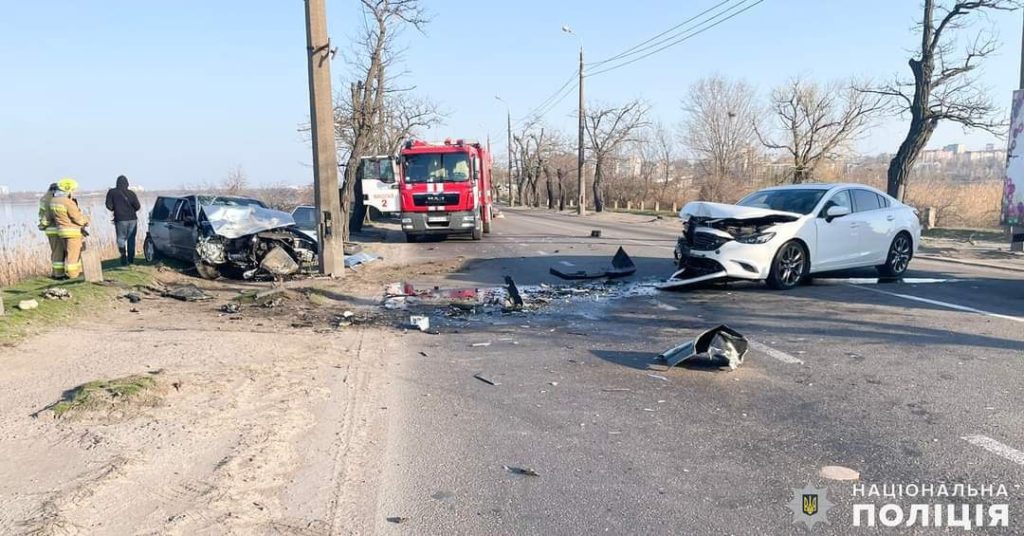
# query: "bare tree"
{"points": [[403, 116], [367, 94], [719, 130], [236, 182], [945, 85], [818, 123], [664, 145], [608, 128]]}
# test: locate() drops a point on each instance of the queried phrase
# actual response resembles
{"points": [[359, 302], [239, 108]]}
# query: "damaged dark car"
{"points": [[228, 236]]}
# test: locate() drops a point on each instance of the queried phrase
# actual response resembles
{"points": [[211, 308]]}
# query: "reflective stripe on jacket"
{"points": [[64, 212]]}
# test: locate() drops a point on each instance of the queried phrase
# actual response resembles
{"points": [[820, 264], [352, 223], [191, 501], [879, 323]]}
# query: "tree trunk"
{"points": [[561, 188], [899, 168], [550, 186], [598, 198]]}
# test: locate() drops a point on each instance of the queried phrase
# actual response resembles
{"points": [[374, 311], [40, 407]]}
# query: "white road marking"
{"points": [[942, 304], [777, 354], [996, 447]]}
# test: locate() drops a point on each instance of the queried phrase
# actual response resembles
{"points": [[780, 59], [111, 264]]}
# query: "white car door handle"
{"points": [[890, 217]]}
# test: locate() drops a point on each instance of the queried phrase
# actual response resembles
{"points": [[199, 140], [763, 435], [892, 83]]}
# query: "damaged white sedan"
{"points": [[783, 234]]}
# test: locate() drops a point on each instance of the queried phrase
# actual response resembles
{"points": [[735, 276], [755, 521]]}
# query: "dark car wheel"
{"points": [[789, 267], [149, 250], [900, 252]]}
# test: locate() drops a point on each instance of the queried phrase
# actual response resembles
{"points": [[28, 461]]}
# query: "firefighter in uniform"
{"points": [[49, 227], [64, 212]]}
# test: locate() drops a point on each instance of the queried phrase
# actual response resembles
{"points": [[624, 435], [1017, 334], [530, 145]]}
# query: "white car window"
{"points": [[840, 199], [865, 200]]}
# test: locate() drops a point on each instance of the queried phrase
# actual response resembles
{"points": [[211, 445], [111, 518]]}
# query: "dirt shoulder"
{"points": [[269, 419]]}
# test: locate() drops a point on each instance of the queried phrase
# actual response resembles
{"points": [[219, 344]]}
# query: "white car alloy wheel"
{"points": [[789, 266]]}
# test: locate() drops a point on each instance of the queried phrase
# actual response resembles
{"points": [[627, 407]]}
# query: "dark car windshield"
{"points": [[798, 201], [305, 218], [437, 167], [229, 201]]}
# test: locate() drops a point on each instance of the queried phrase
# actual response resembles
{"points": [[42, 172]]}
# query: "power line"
{"points": [[546, 101], [540, 113], [633, 50], [694, 33]]}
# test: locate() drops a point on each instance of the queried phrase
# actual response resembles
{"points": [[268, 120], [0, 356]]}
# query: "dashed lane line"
{"points": [[941, 304], [777, 354], [996, 447]]}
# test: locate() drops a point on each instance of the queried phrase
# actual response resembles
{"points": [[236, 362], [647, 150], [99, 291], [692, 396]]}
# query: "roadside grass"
{"points": [[991, 235], [50, 314], [116, 393]]}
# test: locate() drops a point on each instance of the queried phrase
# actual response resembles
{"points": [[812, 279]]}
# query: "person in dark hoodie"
{"points": [[125, 206]]}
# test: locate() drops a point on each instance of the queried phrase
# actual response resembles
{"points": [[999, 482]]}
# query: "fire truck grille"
{"points": [[428, 200]]}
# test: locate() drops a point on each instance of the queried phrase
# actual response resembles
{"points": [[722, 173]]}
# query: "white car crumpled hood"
{"points": [[722, 211]]}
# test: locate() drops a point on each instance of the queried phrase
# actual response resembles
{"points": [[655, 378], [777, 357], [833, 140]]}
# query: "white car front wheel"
{"points": [[790, 265]]}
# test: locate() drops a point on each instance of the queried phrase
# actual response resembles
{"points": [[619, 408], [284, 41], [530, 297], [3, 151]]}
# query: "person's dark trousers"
{"points": [[126, 231]]}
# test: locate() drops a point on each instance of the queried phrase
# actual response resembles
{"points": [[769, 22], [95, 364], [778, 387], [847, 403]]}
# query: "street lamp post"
{"points": [[508, 116], [581, 183]]}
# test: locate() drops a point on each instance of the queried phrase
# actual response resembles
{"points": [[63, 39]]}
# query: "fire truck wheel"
{"points": [[478, 230]]}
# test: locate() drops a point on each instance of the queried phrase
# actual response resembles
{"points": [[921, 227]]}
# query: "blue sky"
{"points": [[173, 93]]}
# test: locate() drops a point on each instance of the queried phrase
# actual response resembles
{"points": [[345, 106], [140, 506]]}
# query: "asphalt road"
{"points": [[887, 379]]}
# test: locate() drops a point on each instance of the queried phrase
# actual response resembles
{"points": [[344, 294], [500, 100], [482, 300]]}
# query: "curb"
{"points": [[973, 263]]}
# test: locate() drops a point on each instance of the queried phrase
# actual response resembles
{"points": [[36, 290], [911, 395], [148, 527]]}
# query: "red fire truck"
{"points": [[445, 189]]}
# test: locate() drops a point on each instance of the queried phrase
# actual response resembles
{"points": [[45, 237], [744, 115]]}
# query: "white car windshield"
{"points": [[798, 201]]}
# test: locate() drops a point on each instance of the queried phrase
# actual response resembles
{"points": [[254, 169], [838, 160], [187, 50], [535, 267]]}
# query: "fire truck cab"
{"points": [[445, 189]]}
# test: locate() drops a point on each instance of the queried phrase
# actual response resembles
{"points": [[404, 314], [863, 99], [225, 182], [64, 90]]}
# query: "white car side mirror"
{"points": [[836, 211]]}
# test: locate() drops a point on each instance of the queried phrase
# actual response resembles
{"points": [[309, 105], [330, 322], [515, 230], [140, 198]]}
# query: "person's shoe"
{"points": [[124, 260]]}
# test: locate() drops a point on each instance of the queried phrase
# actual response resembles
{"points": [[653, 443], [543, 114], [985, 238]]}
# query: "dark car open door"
{"points": [[160, 224], [183, 230]]}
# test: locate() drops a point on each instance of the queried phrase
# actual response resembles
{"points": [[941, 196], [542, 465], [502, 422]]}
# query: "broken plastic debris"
{"points": [[622, 266], [480, 344], [186, 293], [718, 346], [397, 519], [230, 308], [57, 293], [595, 233], [421, 323], [521, 470], [486, 379], [838, 472], [26, 305]]}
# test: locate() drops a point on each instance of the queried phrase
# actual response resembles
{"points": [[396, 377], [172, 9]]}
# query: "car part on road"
{"points": [[486, 379], [622, 266], [397, 519], [513, 293], [595, 233], [230, 308], [186, 293], [718, 346], [680, 279], [420, 322], [352, 261], [27, 305], [525, 471], [351, 248]]}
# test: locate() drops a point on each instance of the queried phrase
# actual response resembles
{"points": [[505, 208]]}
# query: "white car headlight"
{"points": [[755, 238]]}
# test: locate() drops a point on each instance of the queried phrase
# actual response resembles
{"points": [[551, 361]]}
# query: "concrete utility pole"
{"points": [[508, 115], [581, 183], [325, 156]]}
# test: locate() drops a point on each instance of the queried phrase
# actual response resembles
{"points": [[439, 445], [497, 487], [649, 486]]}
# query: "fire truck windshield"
{"points": [[437, 167]]}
